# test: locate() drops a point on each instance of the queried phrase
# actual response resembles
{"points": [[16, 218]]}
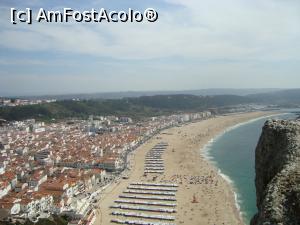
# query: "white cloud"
{"points": [[220, 44], [213, 29]]}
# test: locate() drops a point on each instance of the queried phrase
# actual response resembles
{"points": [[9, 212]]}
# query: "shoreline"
{"points": [[217, 200], [205, 152]]}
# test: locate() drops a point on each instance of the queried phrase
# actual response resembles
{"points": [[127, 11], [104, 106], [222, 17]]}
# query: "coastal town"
{"points": [[11, 102], [62, 168], [133, 112]]}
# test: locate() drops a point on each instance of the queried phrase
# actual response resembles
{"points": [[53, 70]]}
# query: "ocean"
{"points": [[233, 153]]}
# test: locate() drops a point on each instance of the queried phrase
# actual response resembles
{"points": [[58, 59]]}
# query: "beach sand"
{"points": [[203, 197]]}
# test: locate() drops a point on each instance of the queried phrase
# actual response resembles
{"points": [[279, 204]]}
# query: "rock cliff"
{"points": [[277, 166]]}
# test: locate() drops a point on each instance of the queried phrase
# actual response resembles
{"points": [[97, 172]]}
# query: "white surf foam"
{"points": [[206, 153]]}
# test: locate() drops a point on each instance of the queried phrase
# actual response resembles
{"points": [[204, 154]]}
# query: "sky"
{"points": [[194, 44]]}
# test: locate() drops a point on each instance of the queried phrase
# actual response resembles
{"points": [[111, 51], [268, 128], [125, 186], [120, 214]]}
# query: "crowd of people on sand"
{"points": [[190, 179]]}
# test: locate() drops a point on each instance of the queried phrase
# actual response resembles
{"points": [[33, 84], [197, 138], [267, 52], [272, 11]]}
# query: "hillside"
{"points": [[284, 98], [136, 94], [139, 107], [133, 107], [188, 102]]}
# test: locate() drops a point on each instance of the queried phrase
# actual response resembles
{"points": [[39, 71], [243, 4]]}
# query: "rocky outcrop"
{"points": [[277, 166]]}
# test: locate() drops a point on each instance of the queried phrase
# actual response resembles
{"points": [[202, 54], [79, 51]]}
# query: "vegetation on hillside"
{"points": [[289, 98], [132, 107], [144, 106]]}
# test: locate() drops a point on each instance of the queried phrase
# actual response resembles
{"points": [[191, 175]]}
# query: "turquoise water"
{"points": [[234, 154]]}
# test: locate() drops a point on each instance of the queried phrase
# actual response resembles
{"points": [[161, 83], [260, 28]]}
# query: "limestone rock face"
{"points": [[277, 165]]}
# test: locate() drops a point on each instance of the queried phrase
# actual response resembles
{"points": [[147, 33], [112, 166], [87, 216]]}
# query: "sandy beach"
{"points": [[203, 197]]}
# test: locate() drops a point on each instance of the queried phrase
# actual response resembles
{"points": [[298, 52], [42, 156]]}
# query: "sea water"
{"points": [[233, 153]]}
